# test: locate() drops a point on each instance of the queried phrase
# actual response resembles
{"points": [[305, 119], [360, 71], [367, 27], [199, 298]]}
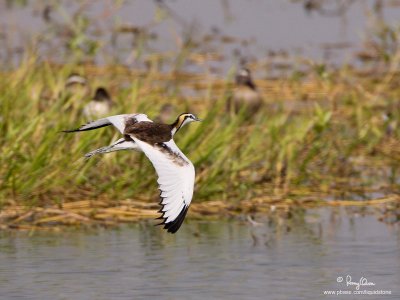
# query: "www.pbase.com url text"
{"points": [[363, 292]]}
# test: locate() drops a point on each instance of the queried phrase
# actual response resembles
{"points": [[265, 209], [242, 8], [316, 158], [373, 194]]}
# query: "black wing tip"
{"points": [[71, 130], [173, 227], [86, 127]]}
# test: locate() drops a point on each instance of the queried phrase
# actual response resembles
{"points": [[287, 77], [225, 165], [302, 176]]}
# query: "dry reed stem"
{"points": [[391, 198], [88, 212]]}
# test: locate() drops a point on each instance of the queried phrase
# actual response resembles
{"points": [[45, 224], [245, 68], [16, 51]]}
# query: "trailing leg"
{"points": [[121, 144]]}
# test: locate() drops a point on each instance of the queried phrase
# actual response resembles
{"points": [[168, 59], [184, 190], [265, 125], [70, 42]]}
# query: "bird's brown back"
{"points": [[149, 132]]}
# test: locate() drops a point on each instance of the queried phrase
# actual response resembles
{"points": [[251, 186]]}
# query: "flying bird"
{"points": [[175, 171]]}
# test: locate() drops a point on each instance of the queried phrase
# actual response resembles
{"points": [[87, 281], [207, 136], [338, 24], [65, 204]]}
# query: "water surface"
{"points": [[295, 259], [256, 28]]}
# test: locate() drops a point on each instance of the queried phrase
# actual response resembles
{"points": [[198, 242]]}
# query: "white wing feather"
{"points": [[175, 171], [118, 121], [176, 177]]}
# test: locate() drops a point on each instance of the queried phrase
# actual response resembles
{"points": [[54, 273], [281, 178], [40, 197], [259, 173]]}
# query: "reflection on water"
{"points": [[296, 259]]}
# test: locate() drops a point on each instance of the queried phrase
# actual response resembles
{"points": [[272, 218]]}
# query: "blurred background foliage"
{"points": [[329, 128]]}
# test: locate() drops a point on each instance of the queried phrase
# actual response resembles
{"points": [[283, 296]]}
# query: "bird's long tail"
{"points": [[91, 125]]}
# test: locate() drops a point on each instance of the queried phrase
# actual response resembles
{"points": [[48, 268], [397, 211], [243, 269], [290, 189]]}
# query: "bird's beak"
{"points": [[199, 120]]}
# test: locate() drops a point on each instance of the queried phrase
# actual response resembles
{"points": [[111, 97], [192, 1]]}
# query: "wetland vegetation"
{"points": [[327, 134]]}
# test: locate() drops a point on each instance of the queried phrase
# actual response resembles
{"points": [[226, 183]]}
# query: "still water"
{"points": [[277, 259], [255, 28]]}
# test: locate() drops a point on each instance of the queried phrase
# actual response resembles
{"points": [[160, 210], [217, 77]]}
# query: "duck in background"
{"points": [[77, 89], [245, 95], [77, 84], [99, 106], [75, 79]]}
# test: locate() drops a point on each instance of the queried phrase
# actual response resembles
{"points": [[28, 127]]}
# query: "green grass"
{"points": [[333, 143]]}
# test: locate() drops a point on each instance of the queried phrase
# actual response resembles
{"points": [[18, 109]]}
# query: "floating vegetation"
{"points": [[108, 214]]}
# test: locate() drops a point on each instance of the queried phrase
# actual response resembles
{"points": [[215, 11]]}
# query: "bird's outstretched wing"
{"points": [[176, 176], [118, 121]]}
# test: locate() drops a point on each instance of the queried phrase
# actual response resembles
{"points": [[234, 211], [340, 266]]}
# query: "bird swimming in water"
{"points": [[99, 106], [176, 173], [245, 95]]}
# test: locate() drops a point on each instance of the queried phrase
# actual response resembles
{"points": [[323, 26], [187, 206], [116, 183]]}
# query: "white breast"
{"points": [[96, 109]]}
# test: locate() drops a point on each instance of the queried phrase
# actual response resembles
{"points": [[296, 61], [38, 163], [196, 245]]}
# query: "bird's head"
{"points": [[182, 120], [243, 77], [101, 94], [75, 79]]}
